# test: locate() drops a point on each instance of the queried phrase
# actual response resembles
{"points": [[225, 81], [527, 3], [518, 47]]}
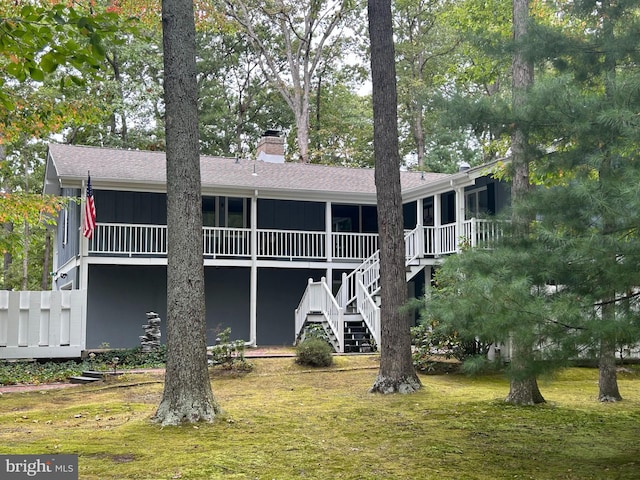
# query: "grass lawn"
{"points": [[284, 421]]}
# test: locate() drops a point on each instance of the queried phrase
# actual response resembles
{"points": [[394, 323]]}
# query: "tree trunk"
{"points": [[302, 129], [26, 238], [607, 375], [7, 258], [46, 278], [187, 395], [396, 373], [524, 392], [523, 387]]}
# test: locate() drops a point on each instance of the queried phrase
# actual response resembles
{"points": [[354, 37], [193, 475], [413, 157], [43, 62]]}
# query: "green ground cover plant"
{"points": [[35, 372], [286, 421]]}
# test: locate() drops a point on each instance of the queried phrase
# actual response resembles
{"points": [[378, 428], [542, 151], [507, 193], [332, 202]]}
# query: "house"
{"points": [[284, 244]]}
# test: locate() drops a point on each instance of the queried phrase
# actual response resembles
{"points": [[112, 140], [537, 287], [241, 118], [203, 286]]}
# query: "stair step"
{"points": [[83, 379]]}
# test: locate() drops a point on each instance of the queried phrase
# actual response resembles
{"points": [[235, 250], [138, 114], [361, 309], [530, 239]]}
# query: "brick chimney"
{"points": [[271, 147]]}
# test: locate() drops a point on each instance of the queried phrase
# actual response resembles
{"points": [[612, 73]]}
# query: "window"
{"points": [[235, 212], [65, 226], [209, 211], [476, 203], [225, 212]]}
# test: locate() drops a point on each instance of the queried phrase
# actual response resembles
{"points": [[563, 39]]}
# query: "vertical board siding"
{"points": [[45, 324]]}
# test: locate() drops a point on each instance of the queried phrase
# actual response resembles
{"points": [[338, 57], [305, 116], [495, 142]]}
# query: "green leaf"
{"points": [[77, 80], [49, 62], [98, 48], [16, 70], [59, 19], [36, 74]]}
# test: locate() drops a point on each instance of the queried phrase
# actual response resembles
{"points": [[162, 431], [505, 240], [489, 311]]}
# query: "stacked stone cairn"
{"points": [[150, 341]]}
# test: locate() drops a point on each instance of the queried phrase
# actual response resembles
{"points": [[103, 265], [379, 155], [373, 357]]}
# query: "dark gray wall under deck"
{"points": [[118, 299], [120, 296], [279, 293], [227, 295]]}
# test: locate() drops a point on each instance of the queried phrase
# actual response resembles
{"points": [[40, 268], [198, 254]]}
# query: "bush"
{"points": [[432, 340], [12, 373], [129, 358], [315, 330], [228, 354], [314, 352]]}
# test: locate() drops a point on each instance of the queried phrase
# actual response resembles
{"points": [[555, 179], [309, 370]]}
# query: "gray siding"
{"points": [[227, 297], [279, 294], [130, 207], [119, 297], [71, 216], [72, 277]]}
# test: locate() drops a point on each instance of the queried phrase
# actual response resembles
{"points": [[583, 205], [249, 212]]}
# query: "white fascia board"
{"points": [[99, 184], [436, 188], [456, 180], [51, 184], [317, 196]]}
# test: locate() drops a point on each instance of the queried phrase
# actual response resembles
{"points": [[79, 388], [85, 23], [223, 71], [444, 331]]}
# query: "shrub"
{"points": [[315, 330], [431, 340], [129, 358], [314, 352], [229, 354]]}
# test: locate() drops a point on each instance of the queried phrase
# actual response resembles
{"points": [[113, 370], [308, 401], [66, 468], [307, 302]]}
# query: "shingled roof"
{"points": [[113, 168]]}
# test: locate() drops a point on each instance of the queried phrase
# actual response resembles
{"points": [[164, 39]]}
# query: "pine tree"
{"points": [[568, 284], [591, 218]]}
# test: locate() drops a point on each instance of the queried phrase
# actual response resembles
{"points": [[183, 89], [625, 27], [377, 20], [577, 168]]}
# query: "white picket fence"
{"points": [[46, 324]]}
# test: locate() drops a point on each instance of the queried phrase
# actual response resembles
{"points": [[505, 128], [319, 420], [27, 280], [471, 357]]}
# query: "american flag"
{"points": [[89, 212]]}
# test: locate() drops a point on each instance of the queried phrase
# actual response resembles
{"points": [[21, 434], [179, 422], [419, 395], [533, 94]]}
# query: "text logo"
{"points": [[49, 467]]}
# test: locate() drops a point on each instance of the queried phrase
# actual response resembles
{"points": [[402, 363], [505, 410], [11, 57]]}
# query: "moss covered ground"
{"points": [[285, 421]]}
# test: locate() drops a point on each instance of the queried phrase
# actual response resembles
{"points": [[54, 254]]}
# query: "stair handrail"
{"points": [[360, 286], [370, 268], [317, 297], [364, 282], [369, 310]]}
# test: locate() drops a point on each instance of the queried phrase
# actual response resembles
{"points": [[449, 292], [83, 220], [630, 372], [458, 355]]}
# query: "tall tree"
{"points": [[427, 46], [292, 39], [187, 395], [523, 387], [591, 217], [396, 373], [237, 103]]}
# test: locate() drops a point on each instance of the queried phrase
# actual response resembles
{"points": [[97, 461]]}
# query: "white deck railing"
{"points": [[121, 239], [363, 282], [291, 244], [318, 299], [349, 246]]}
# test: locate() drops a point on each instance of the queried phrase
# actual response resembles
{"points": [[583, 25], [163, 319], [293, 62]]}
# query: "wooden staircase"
{"points": [[351, 318], [357, 337]]}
